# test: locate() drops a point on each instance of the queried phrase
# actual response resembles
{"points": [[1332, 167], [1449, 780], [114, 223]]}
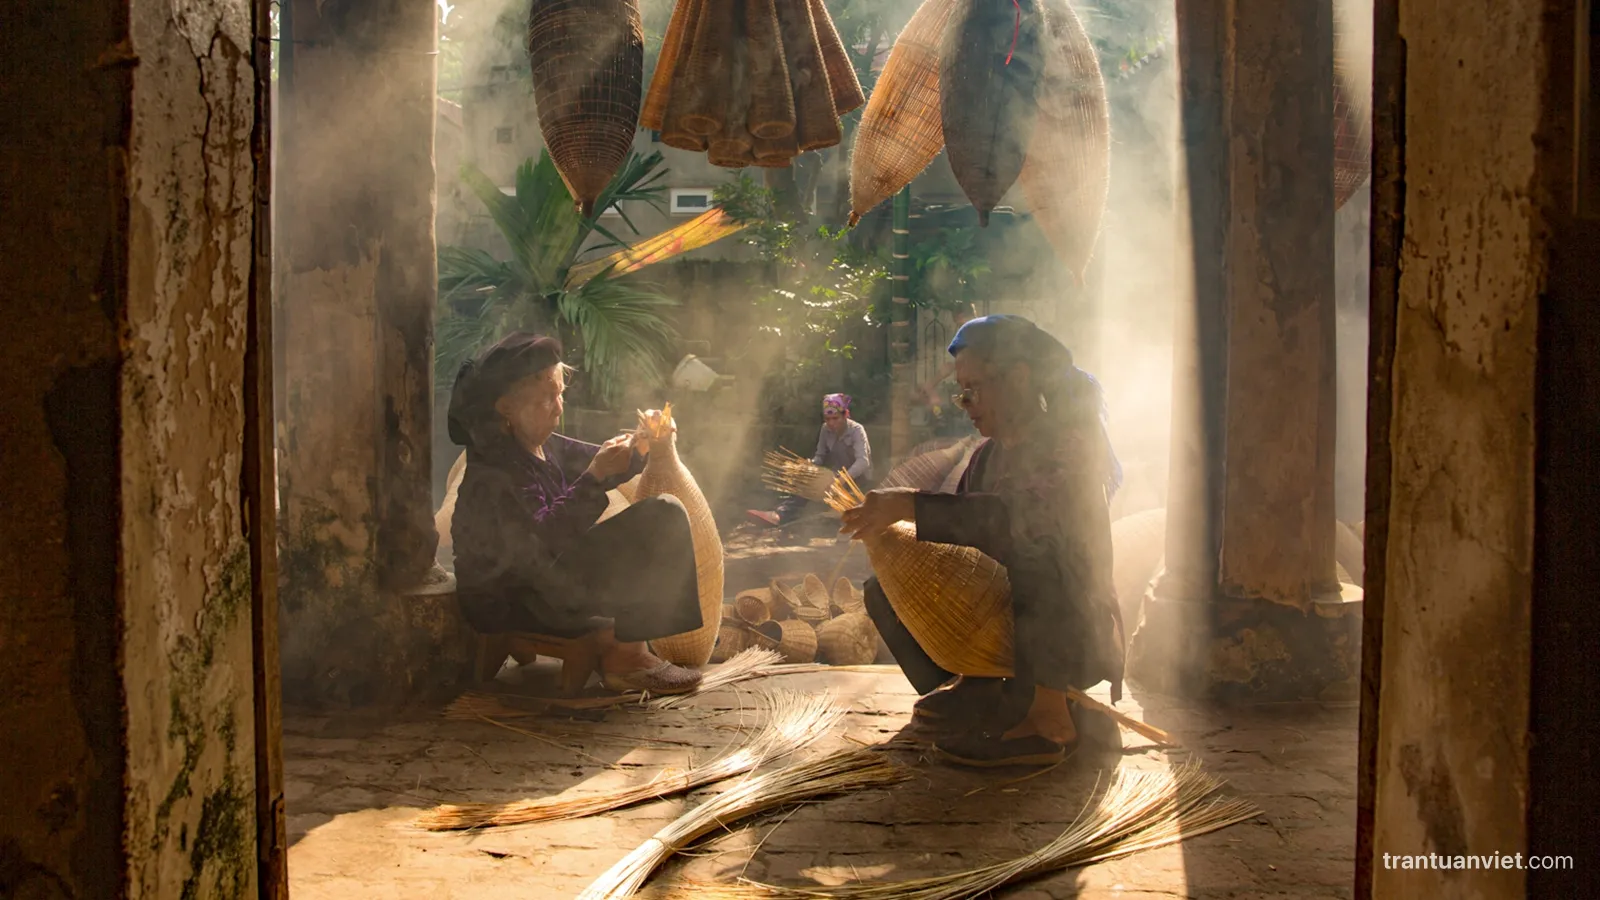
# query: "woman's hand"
{"points": [[882, 509], [613, 458]]}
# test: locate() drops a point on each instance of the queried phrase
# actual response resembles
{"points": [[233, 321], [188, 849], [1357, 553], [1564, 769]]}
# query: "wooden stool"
{"points": [[579, 656]]}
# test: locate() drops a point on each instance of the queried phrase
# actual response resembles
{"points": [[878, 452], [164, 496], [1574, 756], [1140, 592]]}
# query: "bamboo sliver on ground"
{"points": [[794, 722], [837, 773]]}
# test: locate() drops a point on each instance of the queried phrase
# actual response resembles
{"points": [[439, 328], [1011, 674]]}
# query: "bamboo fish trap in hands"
{"points": [[751, 82], [588, 67], [786, 472], [956, 602], [665, 473]]}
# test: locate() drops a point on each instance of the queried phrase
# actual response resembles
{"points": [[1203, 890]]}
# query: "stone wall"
{"points": [[127, 761]]}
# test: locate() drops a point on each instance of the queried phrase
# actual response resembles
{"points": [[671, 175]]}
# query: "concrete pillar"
{"points": [[358, 281], [132, 491], [1249, 606], [1480, 692]]}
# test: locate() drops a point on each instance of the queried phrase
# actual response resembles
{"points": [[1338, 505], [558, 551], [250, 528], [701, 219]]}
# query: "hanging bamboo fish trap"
{"points": [[900, 131], [1067, 173], [786, 472], [665, 473], [954, 600], [990, 65], [848, 640], [588, 68], [748, 83], [1352, 109]]}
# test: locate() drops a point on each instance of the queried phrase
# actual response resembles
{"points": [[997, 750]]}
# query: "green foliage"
{"points": [[616, 324]]}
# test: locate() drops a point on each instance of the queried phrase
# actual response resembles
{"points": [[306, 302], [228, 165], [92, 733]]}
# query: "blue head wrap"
{"points": [[1007, 339]]}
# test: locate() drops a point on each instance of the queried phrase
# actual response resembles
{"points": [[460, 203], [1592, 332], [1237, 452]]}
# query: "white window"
{"points": [[690, 201]]}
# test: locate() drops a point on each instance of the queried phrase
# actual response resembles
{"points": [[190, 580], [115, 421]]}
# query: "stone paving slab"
{"points": [[355, 783]]}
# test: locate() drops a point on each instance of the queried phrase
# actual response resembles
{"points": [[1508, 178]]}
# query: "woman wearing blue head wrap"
{"points": [[1036, 498]]}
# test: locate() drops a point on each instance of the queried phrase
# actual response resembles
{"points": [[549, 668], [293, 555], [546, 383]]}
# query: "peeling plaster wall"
{"points": [[186, 591], [1452, 755], [127, 761]]}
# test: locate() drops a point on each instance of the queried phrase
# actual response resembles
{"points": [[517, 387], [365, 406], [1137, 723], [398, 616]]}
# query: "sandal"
{"points": [[991, 750], [663, 679]]}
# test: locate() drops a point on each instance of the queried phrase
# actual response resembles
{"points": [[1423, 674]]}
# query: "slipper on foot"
{"points": [[663, 679]]}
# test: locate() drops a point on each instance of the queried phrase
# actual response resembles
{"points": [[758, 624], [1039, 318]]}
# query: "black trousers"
{"points": [[924, 674], [636, 569]]}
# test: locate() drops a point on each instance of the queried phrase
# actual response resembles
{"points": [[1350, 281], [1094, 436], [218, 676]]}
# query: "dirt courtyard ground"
{"points": [[355, 783]]}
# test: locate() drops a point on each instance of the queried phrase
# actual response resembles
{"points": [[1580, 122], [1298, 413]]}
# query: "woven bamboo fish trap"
{"points": [[1067, 173], [900, 131], [843, 87], [588, 70], [753, 607], [954, 600], [732, 639], [929, 471], [665, 473], [794, 639], [848, 640], [1352, 109], [990, 66], [786, 472], [847, 598], [1138, 544]]}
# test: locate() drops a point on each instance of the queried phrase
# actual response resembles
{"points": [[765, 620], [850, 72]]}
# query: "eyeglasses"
{"points": [[967, 397]]}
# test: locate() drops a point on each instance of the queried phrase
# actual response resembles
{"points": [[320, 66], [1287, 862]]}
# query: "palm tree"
{"points": [[620, 325]]}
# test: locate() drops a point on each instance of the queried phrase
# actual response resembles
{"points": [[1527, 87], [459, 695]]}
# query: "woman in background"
{"points": [[842, 446], [1035, 498], [529, 554]]}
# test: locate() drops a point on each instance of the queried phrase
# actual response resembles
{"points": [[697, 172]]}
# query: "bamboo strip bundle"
{"points": [[665, 473], [1067, 173], [989, 70], [1138, 811], [795, 721], [787, 472], [587, 58], [956, 602], [445, 517], [843, 87], [900, 131], [838, 773]]}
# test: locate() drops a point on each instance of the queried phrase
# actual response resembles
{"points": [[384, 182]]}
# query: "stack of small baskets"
{"points": [[805, 621]]}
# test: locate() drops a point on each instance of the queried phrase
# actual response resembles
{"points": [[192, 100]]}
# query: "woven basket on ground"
{"points": [[954, 600], [848, 640], [588, 70], [732, 639], [753, 607], [1067, 172], [794, 639], [900, 131], [1138, 544], [847, 598], [665, 473], [989, 72]]}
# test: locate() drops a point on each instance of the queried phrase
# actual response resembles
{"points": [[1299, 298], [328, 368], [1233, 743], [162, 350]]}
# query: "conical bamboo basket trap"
{"points": [[900, 131], [848, 640], [1067, 173], [929, 471], [1352, 106], [588, 68], [665, 473], [954, 600]]}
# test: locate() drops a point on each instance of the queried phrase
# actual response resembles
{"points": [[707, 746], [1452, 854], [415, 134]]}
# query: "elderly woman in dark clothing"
{"points": [[529, 554], [1035, 497]]}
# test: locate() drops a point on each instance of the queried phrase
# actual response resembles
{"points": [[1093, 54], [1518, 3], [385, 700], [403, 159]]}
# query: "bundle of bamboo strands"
{"points": [[787, 472], [751, 82], [956, 602], [665, 473], [795, 721], [838, 773], [1067, 173], [1138, 811], [447, 510], [588, 67], [900, 131]]}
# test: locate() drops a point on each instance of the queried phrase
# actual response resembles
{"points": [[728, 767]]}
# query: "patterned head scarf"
{"points": [[836, 403], [1006, 339]]}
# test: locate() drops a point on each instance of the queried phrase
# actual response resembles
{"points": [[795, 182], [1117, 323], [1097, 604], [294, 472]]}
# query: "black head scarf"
{"points": [[484, 379], [1067, 390]]}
